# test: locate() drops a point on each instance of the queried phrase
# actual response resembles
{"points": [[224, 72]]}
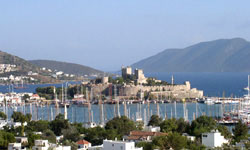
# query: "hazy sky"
{"points": [[106, 34]]}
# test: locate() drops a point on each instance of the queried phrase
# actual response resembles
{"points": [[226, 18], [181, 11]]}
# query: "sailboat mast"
{"points": [[62, 94], [248, 86]]}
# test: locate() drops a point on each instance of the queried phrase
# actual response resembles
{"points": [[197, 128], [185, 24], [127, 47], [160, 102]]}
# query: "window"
{"points": [[113, 145], [204, 135]]}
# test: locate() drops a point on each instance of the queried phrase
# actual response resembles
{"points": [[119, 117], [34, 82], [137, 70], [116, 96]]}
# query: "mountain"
{"points": [[69, 68], [223, 55], [22, 68]]}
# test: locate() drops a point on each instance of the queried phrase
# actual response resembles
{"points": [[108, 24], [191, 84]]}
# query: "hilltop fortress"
{"points": [[136, 85]]}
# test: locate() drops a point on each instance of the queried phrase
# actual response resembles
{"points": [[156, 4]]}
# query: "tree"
{"points": [[145, 145], [183, 126], [172, 140], [71, 134], [225, 132], [122, 125], [5, 139], [28, 117], [240, 131], [38, 126], [79, 128], [169, 125], [3, 115], [19, 117], [155, 120], [59, 124], [176, 141], [49, 135], [31, 139], [26, 97], [73, 145], [96, 135], [201, 125]]}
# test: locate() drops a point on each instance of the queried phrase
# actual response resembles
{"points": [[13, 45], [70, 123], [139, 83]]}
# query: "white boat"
{"points": [[209, 101]]}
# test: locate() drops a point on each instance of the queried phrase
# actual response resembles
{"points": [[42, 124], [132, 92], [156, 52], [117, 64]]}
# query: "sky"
{"points": [[106, 34]]}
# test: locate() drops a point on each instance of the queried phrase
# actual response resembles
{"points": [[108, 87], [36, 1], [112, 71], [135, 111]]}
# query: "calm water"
{"points": [[80, 113], [213, 84]]}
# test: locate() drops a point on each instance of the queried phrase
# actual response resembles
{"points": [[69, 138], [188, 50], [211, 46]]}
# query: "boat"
{"points": [[20, 87], [209, 101]]}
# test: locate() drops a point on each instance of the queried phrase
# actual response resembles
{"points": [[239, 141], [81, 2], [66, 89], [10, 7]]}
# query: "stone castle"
{"points": [[139, 87]]}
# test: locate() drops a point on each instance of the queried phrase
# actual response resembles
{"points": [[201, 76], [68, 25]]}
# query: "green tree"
{"points": [[71, 134], [122, 125], [70, 143], [5, 139], [38, 126], [155, 120], [3, 116], [59, 124], [79, 128], [49, 135], [28, 117], [96, 135], [172, 140], [169, 125], [19, 117], [183, 126], [224, 131], [31, 139], [201, 125], [240, 131], [26, 97], [145, 145], [176, 141]]}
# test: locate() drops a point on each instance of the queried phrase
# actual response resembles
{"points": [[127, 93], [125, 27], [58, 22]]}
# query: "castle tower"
{"points": [[126, 71]]}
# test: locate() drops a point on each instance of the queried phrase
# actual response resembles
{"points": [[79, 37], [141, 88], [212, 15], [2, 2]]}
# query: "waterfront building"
{"points": [[213, 139]]}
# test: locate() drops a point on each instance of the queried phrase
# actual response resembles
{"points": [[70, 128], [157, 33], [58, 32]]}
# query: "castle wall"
{"points": [[176, 91]]}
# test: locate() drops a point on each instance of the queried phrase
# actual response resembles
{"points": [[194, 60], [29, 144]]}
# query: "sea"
{"points": [[213, 84]]}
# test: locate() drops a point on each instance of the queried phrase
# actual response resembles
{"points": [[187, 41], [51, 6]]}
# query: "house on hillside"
{"points": [[213, 139], [83, 144], [138, 136]]}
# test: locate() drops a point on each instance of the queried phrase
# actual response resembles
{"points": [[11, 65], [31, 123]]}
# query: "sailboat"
{"points": [[20, 87], [247, 88]]}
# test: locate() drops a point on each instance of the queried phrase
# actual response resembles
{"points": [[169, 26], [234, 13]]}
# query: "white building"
{"points": [[45, 145], [83, 144], [89, 125], [213, 139], [116, 145], [15, 146], [59, 73], [41, 145], [152, 129]]}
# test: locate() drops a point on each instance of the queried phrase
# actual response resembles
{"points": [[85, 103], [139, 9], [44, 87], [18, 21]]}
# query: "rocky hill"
{"points": [[22, 67], [224, 55], [69, 68]]}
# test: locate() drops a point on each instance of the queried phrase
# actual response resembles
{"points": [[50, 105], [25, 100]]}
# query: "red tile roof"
{"points": [[144, 133], [82, 142]]}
